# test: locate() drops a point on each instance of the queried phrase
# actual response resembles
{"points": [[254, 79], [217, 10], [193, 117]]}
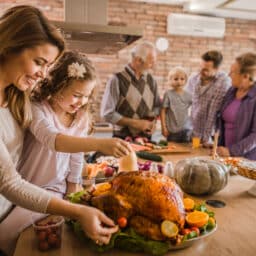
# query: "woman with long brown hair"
{"points": [[29, 45]]}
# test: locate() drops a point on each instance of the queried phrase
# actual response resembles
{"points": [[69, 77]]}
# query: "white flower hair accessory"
{"points": [[76, 70]]}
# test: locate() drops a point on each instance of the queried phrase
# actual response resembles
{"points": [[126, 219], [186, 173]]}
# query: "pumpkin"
{"points": [[201, 176]]}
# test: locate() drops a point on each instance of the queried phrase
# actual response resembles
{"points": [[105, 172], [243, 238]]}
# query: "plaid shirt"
{"points": [[206, 102]]}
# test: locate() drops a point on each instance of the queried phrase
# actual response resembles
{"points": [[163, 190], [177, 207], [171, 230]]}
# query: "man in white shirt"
{"points": [[131, 101]]}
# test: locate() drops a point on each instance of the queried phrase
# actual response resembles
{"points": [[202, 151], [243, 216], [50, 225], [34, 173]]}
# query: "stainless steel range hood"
{"points": [[85, 28], [98, 39]]}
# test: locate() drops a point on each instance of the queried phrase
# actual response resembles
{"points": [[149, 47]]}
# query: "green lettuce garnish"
{"points": [[202, 208], [76, 197], [128, 241]]}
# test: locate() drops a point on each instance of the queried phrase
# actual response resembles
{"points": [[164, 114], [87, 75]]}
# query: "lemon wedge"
{"points": [[169, 228]]}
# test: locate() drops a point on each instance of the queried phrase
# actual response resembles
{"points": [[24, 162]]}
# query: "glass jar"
{"points": [[169, 170], [128, 163]]}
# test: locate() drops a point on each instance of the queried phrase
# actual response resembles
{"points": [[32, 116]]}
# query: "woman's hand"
{"points": [[96, 225], [223, 151], [115, 147]]}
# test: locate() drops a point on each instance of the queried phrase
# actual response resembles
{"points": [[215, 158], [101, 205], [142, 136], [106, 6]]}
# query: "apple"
{"points": [[109, 171], [43, 246], [52, 239], [145, 139], [139, 140], [128, 139], [41, 235], [160, 168]]}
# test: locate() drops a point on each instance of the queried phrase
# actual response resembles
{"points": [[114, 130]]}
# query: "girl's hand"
{"points": [[96, 225], [223, 151], [115, 147]]}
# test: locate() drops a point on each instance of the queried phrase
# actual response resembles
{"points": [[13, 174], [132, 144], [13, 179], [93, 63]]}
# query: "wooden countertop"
{"points": [[235, 234]]}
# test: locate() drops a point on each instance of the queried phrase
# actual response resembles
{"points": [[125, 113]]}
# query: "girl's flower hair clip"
{"points": [[76, 70]]}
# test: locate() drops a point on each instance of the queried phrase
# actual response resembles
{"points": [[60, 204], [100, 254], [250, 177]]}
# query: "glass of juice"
{"points": [[195, 142]]}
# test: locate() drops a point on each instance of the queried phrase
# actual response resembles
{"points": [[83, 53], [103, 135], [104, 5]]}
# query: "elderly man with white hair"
{"points": [[131, 101]]}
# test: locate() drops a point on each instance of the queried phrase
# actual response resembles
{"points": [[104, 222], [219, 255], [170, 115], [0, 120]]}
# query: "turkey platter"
{"points": [[145, 199]]}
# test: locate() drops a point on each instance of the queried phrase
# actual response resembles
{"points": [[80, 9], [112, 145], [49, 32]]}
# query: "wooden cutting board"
{"points": [[172, 148]]}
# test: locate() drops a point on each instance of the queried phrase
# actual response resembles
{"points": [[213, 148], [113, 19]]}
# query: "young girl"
{"points": [[52, 156], [174, 113]]}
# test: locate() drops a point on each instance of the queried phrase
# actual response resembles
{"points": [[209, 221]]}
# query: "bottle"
{"points": [[169, 170], [153, 167], [128, 163]]}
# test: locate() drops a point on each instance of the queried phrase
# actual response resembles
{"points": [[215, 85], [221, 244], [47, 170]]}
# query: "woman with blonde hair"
{"points": [[29, 45], [237, 118]]}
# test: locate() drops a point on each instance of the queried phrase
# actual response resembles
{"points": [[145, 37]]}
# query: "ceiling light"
{"points": [[162, 44]]}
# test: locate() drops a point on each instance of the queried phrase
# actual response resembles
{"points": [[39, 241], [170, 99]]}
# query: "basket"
{"points": [[247, 169]]}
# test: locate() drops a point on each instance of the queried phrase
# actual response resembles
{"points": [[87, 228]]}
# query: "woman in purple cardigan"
{"points": [[237, 118]]}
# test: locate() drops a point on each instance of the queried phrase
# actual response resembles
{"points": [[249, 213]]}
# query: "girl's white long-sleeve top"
{"points": [[40, 163]]}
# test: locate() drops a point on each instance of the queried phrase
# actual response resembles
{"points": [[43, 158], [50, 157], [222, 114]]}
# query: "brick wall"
{"points": [[54, 9], [240, 37]]}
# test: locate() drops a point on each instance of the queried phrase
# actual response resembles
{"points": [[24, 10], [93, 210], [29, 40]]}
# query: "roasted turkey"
{"points": [[145, 199]]}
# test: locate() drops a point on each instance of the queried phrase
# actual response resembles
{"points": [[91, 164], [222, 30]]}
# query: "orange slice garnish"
{"points": [[101, 188], [189, 204], [197, 219]]}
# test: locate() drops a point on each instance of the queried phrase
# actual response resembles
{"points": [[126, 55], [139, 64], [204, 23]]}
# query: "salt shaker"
{"points": [[169, 170], [153, 167]]}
